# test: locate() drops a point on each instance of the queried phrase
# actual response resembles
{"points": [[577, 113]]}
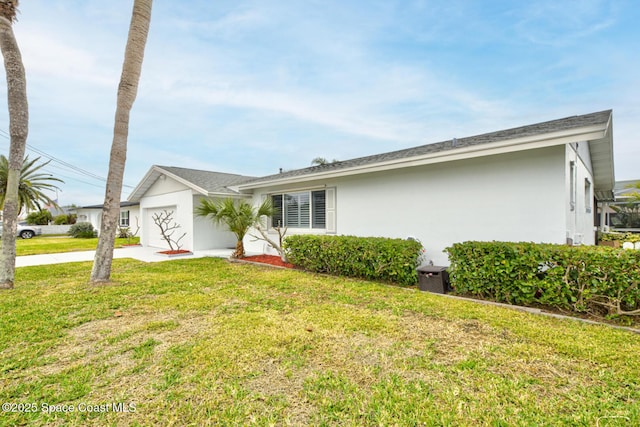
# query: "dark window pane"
{"points": [[277, 220], [319, 209]]}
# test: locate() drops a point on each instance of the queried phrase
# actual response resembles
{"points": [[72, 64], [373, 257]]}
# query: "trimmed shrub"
{"points": [[618, 237], [583, 279], [82, 230], [374, 258], [39, 218], [64, 219]]}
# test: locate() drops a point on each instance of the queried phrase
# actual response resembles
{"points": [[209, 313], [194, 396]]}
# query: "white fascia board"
{"points": [[233, 196], [480, 150], [134, 197]]}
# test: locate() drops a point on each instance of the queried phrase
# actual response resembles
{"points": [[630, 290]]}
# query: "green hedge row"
{"points": [[584, 279], [619, 237], [375, 258]]}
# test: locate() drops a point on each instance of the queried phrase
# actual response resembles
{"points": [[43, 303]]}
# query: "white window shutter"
{"points": [[331, 210]]}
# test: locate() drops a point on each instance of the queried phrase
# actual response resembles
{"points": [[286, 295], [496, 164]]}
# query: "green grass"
{"points": [[52, 245], [206, 342]]}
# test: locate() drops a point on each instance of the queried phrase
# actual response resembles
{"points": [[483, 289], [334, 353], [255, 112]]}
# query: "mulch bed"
{"points": [[267, 259], [176, 252]]}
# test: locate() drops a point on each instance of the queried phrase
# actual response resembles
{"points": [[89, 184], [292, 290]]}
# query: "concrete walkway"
{"points": [[139, 253]]}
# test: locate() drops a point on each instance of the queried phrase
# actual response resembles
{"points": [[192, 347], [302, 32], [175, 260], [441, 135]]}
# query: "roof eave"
{"points": [[586, 133], [235, 194], [601, 151], [149, 180]]}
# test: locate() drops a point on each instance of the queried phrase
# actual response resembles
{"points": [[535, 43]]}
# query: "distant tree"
{"points": [[32, 185], [39, 218], [127, 91], [18, 129], [635, 194], [319, 161], [238, 216], [65, 219]]}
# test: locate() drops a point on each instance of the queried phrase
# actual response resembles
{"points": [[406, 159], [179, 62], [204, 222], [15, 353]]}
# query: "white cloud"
{"points": [[48, 58], [247, 85], [556, 23]]}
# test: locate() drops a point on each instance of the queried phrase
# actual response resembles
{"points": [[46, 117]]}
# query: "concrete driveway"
{"points": [[139, 253]]}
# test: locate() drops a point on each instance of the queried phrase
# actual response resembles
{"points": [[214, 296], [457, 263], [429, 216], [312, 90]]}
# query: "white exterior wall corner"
{"points": [[580, 221], [516, 196]]}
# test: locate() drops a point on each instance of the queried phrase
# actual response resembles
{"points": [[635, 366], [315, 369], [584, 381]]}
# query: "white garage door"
{"points": [[152, 230]]}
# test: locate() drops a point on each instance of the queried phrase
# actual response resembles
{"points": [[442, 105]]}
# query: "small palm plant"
{"points": [[238, 216], [33, 183]]}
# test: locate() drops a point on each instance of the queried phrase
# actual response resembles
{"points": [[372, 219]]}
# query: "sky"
{"points": [[249, 87]]}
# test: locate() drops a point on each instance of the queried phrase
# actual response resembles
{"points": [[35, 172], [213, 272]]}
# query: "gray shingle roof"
{"points": [[568, 123], [212, 182], [124, 204]]}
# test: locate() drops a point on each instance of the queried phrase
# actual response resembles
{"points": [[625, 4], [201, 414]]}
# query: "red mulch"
{"points": [[181, 251], [268, 259]]}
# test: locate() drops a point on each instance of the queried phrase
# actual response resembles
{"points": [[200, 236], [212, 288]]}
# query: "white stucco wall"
{"points": [[174, 196], [94, 216], [580, 219], [180, 203], [210, 236], [511, 197], [134, 217]]}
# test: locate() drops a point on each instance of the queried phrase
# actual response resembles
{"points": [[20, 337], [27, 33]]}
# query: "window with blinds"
{"points": [[124, 218], [305, 209], [319, 219]]}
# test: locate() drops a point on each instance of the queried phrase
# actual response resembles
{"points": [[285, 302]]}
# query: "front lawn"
{"points": [[203, 342], [53, 245]]}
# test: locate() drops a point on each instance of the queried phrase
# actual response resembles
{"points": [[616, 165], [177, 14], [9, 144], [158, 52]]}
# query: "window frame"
{"points": [[126, 217], [588, 197], [572, 185], [313, 220]]}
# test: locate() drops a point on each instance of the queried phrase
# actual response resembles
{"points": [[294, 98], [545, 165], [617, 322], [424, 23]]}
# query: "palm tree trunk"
{"points": [[127, 91], [19, 128], [239, 252]]}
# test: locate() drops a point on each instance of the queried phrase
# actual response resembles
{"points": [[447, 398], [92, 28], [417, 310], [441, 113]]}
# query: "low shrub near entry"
{"points": [[583, 279], [375, 258]]}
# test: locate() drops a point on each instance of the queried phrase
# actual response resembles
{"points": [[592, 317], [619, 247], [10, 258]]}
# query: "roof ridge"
{"points": [[201, 170]]}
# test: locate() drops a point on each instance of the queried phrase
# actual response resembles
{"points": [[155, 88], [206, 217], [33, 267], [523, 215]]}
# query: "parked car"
{"points": [[25, 230]]}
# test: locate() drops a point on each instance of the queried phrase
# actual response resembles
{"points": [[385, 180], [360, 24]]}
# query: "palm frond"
{"points": [[238, 216], [32, 183], [9, 9]]}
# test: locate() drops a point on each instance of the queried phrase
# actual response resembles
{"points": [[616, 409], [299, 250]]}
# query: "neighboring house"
{"points": [[623, 213], [129, 215], [535, 183]]}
